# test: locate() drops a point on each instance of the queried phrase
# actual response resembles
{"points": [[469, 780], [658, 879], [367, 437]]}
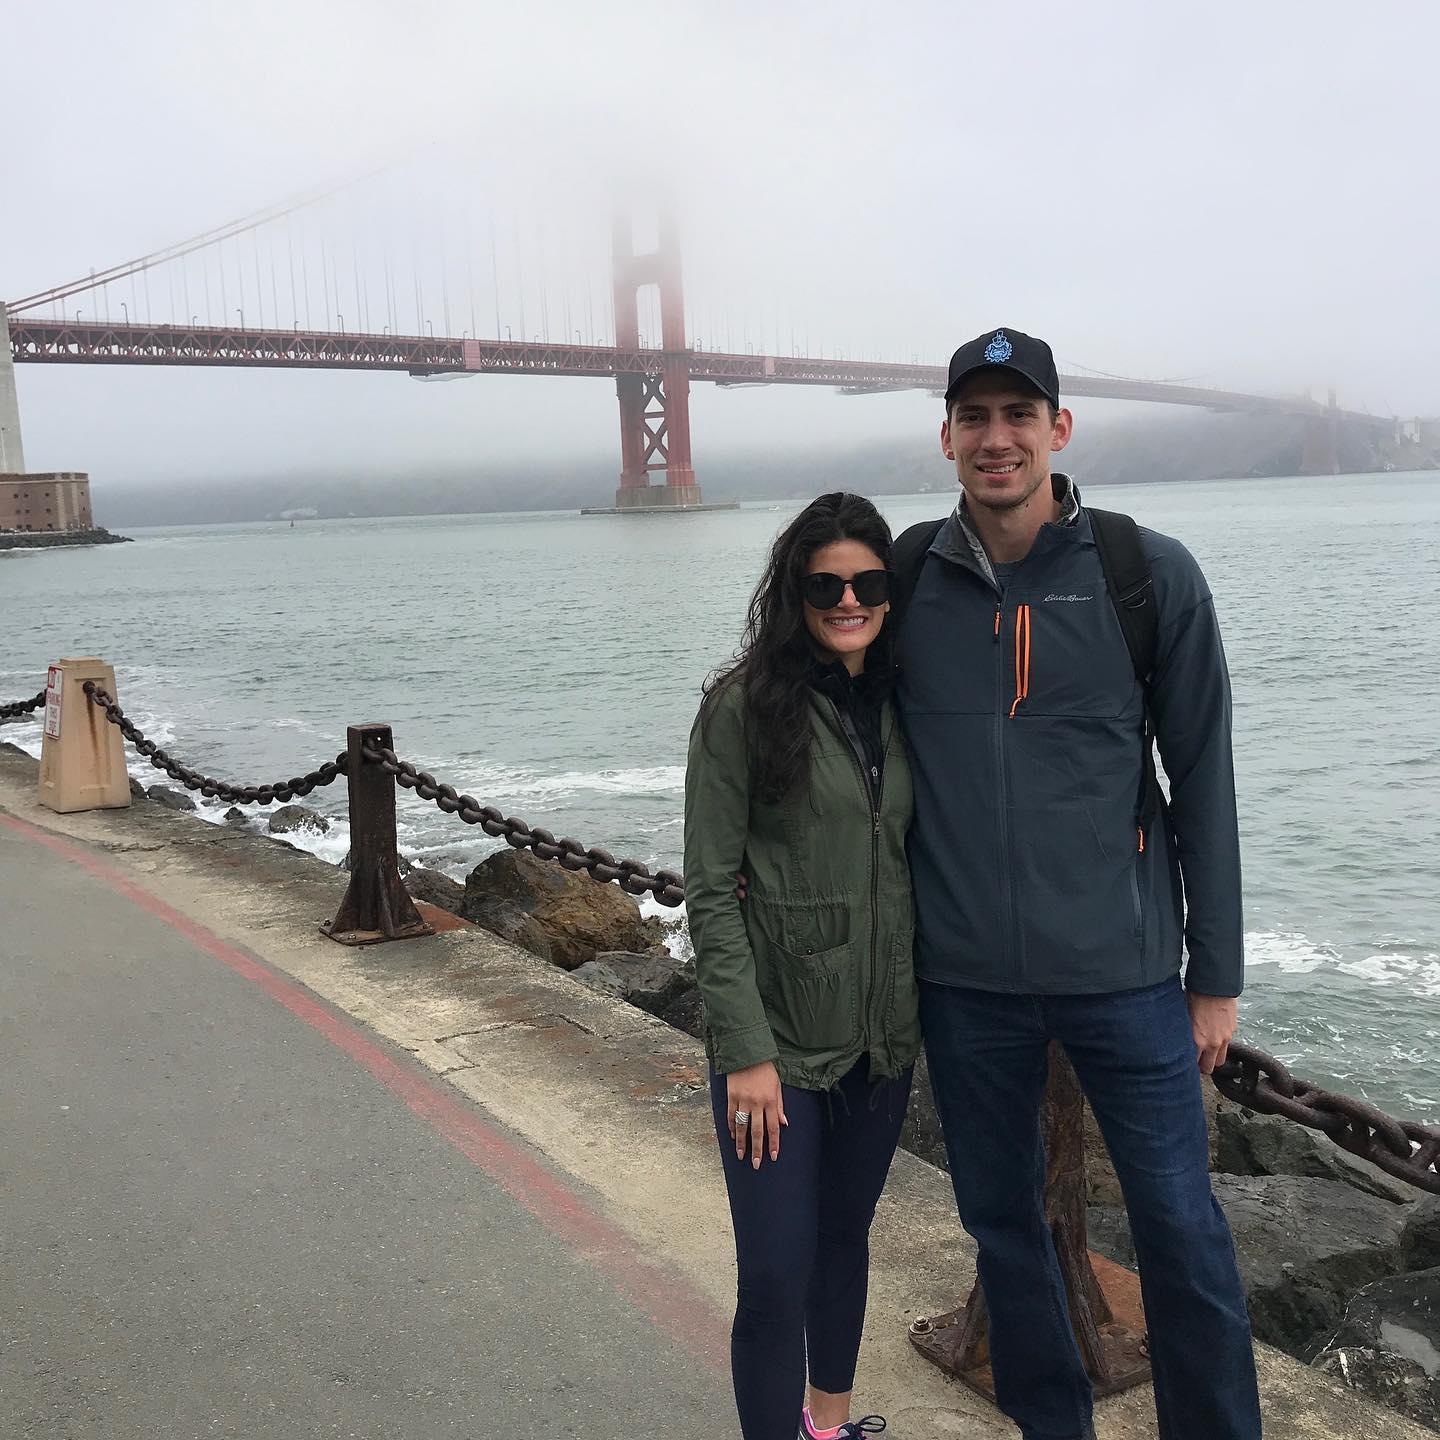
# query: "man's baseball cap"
{"points": [[1006, 350]]}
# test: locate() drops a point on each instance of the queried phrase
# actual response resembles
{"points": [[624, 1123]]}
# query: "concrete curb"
{"points": [[613, 1097]]}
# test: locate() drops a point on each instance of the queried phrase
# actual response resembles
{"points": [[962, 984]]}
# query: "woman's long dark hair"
{"points": [[776, 653]]}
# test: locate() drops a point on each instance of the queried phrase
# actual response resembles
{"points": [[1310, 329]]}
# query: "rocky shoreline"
{"points": [[1341, 1262], [55, 539]]}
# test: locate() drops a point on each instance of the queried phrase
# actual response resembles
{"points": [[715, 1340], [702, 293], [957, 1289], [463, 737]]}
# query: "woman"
{"points": [[797, 779]]}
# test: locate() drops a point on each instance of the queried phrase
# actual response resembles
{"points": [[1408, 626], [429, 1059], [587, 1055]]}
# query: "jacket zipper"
{"points": [[878, 792], [873, 789], [1004, 808], [1139, 905]]}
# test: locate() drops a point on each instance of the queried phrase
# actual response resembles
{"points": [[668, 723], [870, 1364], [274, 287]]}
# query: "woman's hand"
{"points": [[755, 1092]]}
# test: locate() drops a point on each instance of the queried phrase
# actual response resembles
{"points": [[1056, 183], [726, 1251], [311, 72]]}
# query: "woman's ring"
{"points": [[742, 1117]]}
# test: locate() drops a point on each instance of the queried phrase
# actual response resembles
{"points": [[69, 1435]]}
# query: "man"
{"points": [[1053, 891]]}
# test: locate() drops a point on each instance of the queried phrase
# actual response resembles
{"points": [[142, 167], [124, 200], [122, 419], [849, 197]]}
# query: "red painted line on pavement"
{"points": [[664, 1297]]}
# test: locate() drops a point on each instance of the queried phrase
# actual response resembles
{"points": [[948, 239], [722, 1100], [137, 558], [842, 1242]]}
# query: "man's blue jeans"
{"points": [[1135, 1056]]}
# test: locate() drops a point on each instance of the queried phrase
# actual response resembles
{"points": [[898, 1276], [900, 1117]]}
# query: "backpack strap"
{"points": [[907, 559], [1127, 577]]}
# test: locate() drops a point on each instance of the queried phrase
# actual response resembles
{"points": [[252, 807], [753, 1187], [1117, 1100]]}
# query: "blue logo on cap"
{"points": [[999, 350]]}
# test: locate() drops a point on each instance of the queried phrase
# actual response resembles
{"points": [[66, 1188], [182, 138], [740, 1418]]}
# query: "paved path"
{"points": [[230, 1211], [259, 1218]]}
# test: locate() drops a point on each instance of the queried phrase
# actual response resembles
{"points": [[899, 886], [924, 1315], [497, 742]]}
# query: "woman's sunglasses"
{"points": [[824, 591]]}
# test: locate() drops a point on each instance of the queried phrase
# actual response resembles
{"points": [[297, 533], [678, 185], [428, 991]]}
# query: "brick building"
{"points": [[57, 500]]}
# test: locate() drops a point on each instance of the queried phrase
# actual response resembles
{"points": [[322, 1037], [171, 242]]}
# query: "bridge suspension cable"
{"points": [[1134, 379], [97, 278]]}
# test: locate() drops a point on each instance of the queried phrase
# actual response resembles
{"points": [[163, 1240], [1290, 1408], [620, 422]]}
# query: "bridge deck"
{"points": [[103, 343]]}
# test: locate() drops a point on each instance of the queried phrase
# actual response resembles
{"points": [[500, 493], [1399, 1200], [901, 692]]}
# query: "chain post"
{"points": [[1106, 1313], [376, 906], [82, 759]]}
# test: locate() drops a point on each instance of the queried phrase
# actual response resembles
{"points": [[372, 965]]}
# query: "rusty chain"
{"points": [[632, 877], [19, 709], [283, 790], [1405, 1149], [1402, 1148]]}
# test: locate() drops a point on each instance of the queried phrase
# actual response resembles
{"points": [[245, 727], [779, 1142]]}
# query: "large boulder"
{"points": [[651, 982], [1108, 1232], [289, 819], [170, 799], [1388, 1345], [686, 1012], [921, 1133], [1252, 1144], [1305, 1247], [435, 888], [1420, 1239], [559, 914]]}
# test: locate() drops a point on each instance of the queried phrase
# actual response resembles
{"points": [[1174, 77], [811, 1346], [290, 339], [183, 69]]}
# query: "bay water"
{"points": [[550, 664]]}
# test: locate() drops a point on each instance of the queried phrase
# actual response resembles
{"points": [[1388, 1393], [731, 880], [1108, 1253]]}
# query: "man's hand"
{"points": [[755, 1092], [1212, 1021]]}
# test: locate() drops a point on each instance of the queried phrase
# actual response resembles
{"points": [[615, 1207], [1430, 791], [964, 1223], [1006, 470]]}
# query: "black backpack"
{"points": [[1127, 578]]}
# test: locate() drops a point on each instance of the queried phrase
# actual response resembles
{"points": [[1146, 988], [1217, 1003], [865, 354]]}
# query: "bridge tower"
{"points": [[1320, 442], [12, 454], [654, 406]]}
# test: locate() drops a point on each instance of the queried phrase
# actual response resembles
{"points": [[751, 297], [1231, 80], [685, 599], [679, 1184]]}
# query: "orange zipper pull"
{"points": [[1141, 833], [1022, 657], [997, 622]]}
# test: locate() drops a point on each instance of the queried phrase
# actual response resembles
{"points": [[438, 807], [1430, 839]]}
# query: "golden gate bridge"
{"points": [[652, 380]]}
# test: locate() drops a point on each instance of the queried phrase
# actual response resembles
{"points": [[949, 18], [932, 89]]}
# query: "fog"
{"points": [[1239, 195]]}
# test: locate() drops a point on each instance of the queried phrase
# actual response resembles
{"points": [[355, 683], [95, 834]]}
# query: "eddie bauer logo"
{"points": [[1049, 598]]}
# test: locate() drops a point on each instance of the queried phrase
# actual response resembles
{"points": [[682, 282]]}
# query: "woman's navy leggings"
{"points": [[802, 1243]]}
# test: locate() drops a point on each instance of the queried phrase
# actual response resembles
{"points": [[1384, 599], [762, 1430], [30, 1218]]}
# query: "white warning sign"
{"points": [[53, 683]]}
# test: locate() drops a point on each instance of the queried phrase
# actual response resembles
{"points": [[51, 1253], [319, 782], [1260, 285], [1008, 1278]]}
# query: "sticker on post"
{"points": [[53, 683]]}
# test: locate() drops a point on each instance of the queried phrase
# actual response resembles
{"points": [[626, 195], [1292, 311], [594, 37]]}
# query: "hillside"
{"points": [[1191, 447]]}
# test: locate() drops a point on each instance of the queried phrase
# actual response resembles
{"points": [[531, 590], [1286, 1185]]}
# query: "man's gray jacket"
{"points": [[1025, 725]]}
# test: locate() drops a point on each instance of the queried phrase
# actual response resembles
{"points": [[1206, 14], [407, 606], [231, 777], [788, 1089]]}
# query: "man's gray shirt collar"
{"points": [[959, 526]]}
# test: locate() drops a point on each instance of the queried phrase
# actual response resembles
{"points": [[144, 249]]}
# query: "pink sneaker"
{"points": [[850, 1430]]}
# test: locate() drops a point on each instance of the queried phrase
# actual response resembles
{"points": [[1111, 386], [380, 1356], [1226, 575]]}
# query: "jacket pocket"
{"points": [[806, 970], [811, 998]]}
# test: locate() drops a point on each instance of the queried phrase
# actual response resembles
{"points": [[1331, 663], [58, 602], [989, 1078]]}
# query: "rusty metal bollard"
{"points": [[376, 906], [1106, 1313]]}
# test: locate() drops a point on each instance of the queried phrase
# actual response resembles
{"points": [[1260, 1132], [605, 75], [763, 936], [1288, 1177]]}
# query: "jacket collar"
{"points": [[959, 542], [872, 684]]}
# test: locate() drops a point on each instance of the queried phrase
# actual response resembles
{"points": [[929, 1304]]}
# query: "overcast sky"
{"points": [[1236, 194]]}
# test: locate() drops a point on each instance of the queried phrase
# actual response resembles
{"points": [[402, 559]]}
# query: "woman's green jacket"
{"points": [[813, 969]]}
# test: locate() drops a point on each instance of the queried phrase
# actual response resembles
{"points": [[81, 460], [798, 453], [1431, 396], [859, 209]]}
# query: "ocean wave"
{"points": [[1398, 965], [1419, 974], [534, 787], [677, 926], [332, 846], [1292, 952], [29, 736]]}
